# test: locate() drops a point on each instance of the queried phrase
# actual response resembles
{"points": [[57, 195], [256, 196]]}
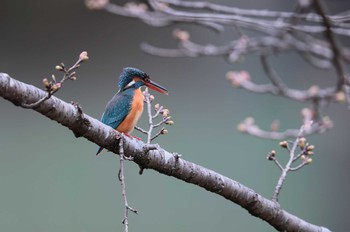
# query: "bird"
{"points": [[123, 111]]}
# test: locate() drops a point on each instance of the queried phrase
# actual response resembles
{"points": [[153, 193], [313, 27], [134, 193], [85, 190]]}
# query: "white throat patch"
{"points": [[130, 84]]}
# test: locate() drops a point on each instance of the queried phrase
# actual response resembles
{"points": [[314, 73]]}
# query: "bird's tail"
{"points": [[99, 150]]}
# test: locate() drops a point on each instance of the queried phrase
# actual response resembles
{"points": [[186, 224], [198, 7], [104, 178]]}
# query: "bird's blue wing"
{"points": [[117, 109]]}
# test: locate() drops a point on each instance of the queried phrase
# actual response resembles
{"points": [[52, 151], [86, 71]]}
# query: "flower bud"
{"points": [[249, 121], [164, 132], [96, 4], [165, 112], [313, 90], [55, 87], [237, 78], [83, 56], [327, 122], [340, 96], [284, 144], [181, 35], [271, 155], [59, 67], [156, 106], [46, 83], [303, 158], [242, 127], [308, 161], [169, 123], [309, 152], [302, 143]]}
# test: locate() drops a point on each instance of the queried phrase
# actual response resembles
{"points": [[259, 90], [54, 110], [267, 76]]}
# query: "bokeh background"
{"points": [[51, 181]]}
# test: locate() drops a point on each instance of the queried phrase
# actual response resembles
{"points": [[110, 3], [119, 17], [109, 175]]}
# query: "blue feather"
{"points": [[127, 75], [118, 108]]}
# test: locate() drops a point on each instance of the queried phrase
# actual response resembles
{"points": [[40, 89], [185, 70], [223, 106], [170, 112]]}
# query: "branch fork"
{"points": [[53, 86], [306, 151]]}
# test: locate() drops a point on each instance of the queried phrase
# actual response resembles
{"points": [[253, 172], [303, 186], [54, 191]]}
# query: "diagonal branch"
{"points": [[336, 51], [153, 157]]}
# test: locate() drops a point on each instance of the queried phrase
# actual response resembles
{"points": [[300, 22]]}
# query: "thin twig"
{"points": [[150, 118], [253, 129], [158, 112], [161, 122], [336, 51], [310, 17], [299, 155], [277, 163], [272, 74], [121, 177], [298, 167], [35, 104], [287, 167], [54, 85], [157, 134], [151, 125], [140, 129]]}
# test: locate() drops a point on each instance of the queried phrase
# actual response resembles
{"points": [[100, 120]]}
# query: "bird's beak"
{"points": [[156, 87]]}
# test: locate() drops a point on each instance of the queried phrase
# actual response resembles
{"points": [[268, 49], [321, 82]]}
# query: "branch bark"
{"points": [[153, 157]]}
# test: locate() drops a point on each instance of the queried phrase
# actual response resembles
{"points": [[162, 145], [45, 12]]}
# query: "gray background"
{"points": [[51, 181]]}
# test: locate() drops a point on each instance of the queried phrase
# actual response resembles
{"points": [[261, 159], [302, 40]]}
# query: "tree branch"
{"points": [[153, 157], [308, 30]]}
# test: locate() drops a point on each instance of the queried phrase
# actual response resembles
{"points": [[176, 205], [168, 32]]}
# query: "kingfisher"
{"points": [[125, 108]]}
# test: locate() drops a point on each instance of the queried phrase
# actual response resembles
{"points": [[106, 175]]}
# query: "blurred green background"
{"points": [[51, 181]]}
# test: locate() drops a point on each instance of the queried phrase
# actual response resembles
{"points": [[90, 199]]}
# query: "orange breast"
{"points": [[131, 119]]}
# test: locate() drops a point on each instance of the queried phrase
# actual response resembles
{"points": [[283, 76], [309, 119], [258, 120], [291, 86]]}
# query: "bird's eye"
{"points": [[146, 78]]}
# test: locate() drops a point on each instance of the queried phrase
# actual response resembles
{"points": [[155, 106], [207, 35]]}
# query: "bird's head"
{"points": [[135, 78]]}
